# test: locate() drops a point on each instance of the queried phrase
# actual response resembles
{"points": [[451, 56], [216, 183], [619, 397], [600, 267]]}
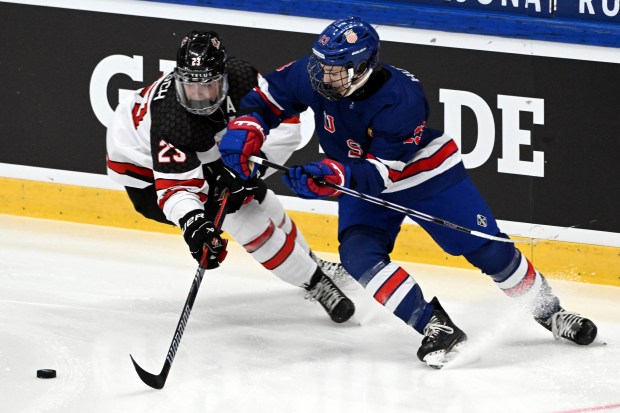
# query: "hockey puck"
{"points": [[46, 373]]}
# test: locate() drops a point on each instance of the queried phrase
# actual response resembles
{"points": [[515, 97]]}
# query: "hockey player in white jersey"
{"points": [[162, 146]]}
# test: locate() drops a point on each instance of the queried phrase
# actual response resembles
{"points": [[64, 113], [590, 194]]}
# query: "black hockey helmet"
{"points": [[200, 74]]}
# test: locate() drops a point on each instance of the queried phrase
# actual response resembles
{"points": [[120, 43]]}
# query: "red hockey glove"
{"points": [[244, 138], [203, 239], [303, 180]]}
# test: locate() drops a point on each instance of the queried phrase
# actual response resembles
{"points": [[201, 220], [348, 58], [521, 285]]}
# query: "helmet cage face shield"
{"points": [[200, 93], [331, 81]]}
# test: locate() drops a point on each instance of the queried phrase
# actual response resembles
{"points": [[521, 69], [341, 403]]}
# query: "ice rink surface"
{"points": [[80, 299]]}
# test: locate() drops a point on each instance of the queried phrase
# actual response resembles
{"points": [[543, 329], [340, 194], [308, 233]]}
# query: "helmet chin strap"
{"points": [[359, 82]]}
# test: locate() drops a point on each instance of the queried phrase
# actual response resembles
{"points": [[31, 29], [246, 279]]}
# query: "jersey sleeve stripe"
{"points": [[163, 184], [267, 98], [426, 164], [125, 168]]}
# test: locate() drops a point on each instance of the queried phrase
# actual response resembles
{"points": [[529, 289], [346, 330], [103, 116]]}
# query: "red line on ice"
{"points": [[592, 409]]}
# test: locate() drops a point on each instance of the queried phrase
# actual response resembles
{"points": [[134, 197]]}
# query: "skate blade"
{"points": [[436, 360], [439, 359]]}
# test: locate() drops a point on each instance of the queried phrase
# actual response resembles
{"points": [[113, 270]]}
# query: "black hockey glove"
{"points": [[219, 176], [202, 237]]}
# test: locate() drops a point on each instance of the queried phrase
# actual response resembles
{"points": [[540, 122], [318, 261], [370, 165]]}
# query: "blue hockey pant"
{"points": [[367, 233]]}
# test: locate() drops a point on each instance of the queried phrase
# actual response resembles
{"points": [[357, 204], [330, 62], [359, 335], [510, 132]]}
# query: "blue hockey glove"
{"points": [[244, 138], [303, 180]]}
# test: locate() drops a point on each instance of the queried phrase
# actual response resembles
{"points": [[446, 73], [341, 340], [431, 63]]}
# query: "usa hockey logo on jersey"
{"points": [[350, 36]]}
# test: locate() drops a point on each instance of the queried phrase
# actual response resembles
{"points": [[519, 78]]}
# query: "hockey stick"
{"points": [[158, 381], [390, 205]]}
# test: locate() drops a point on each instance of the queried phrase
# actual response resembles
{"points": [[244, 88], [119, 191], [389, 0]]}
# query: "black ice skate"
{"points": [[333, 300], [571, 326], [441, 336], [335, 271]]}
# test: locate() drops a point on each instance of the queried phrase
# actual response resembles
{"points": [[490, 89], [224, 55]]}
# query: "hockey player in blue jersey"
{"points": [[373, 130]]}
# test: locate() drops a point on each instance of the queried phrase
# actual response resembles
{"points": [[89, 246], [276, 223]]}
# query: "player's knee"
{"points": [[363, 247], [492, 257]]}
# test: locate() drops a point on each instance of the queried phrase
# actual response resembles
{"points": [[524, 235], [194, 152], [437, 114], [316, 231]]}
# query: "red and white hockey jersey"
{"points": [[152, 139]]}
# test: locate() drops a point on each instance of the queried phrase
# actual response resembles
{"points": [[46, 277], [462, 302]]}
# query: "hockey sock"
{"points": [[268, 244], [275, 211], [397, 291], [523, 282]]}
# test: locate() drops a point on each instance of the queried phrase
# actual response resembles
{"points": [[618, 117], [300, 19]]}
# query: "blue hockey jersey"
{"points": [[382, 139]]}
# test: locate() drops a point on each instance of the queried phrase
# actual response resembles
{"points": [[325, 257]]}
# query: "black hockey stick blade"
{"points": [[158, 382], [151, 380]]}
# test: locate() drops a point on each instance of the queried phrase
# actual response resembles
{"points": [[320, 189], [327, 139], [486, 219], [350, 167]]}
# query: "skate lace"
{"points": [[332, 267], [435, 326], [324, 293], [334, 270], [561, 323]]}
